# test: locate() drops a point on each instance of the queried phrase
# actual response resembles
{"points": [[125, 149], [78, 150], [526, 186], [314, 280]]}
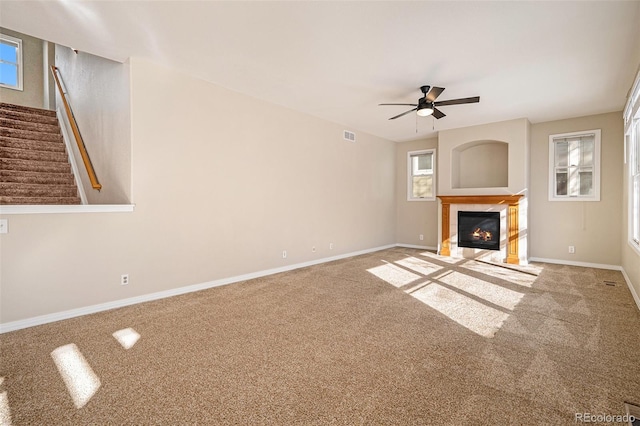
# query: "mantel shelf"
{"points": [[480, 199]]}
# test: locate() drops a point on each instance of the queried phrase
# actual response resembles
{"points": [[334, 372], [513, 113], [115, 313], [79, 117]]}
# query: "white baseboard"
{"points": [[417, 247], [631, 288], [573, 263], [72, 313], [636, 298]]}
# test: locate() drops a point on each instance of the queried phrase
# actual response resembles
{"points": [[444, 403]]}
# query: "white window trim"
{"points": [[631, 117], [596, 167], [17, 41], [410, 174], [634, 154]]}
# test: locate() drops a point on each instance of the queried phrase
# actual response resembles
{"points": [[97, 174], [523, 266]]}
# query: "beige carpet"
{"points": [[399, 336]]}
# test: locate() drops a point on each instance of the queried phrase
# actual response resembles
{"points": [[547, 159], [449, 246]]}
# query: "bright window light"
{"points": [[475, 316], [126, 337], [492, 293], [394, 275], [82, 383]]}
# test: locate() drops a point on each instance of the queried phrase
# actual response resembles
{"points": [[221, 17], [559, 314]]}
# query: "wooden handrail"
{"points": [[76, 132]]}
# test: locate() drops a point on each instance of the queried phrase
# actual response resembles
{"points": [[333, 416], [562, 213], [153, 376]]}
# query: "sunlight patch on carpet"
{"points": [[475, 316], [525, 279], [82, 383], [127, 337], [492, 293], [418, 265], [5, 413], [394, 275]]}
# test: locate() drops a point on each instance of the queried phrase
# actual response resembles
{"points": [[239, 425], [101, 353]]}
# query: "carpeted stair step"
{"points": [[18, 143], [29, 110], [29, 125], [18, 176], [30, 135], [28, 116], [12, 189], [6, 200], [34, 166], [27, 154]]}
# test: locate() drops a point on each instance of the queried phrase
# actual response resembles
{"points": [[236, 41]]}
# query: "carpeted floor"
{"points": [[399, 336]]}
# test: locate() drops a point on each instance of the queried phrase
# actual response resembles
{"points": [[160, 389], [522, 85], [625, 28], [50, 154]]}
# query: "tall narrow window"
{"points": [[10, 62], [421, 182], [631, 118], [574, 166], [634, 170]]}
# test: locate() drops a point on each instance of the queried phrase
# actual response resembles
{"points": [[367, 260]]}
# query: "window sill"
{"points": [[570, 199], [84, 208]]}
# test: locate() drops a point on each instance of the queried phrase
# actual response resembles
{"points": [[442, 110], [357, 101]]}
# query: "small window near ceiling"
{"points": [[10, 62], [574, 166], [421, 176]]}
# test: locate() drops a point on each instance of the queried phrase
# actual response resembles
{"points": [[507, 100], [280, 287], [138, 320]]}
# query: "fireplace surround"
{"points": [[511, 202]]}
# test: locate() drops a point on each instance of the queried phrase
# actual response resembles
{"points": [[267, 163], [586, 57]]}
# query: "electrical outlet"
{"points": [[4, 226], [421, 237], [572, 249], [124, 279], [284, 254]]}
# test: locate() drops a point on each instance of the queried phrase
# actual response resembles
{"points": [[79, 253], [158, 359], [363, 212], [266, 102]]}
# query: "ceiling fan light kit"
{"points": [[426, 105], [425, 108]]}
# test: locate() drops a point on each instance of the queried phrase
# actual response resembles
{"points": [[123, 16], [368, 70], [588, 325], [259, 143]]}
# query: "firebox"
{"points": [[479, 230]]}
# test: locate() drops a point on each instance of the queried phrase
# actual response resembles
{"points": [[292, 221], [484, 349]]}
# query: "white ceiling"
{"points": [[338, 60]]}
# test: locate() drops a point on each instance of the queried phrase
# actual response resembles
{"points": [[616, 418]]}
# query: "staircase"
{"points": [[34, 166]]}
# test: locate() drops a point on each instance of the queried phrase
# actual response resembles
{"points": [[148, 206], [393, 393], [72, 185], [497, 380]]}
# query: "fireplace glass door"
{"points": [[479, 230]]}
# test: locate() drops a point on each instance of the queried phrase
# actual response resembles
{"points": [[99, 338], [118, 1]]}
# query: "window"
{"points": [[634, 185], [574, 166], [10, 62], [631, 118], [422, 181]]}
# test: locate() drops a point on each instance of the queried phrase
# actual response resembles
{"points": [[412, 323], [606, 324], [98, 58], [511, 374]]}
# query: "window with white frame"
{"points": [[632, 158], [574, 166], [634, 185], [421, 175], [10, 62]]}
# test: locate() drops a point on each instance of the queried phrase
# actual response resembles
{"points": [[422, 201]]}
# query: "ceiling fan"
{"points": [[427, 105]]}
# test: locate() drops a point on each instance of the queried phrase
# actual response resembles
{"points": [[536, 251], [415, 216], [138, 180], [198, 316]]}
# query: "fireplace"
{"points": [[479, 230]]}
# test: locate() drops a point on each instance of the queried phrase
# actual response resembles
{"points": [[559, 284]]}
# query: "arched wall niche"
{"points": [[480, 164]]}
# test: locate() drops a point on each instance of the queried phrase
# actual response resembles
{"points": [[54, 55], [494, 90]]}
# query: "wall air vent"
{"points": [[349, 136]]}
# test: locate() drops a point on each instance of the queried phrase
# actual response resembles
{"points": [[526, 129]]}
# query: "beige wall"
{"points": [[220, 191], [99, 94], [592, 227], [32, 94], [414, 217]]}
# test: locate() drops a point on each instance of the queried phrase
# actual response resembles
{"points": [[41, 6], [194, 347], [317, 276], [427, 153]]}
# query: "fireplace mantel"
{"points": [[512, 220]]}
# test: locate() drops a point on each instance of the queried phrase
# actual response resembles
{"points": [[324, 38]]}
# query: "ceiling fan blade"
{"points": [[399, 104], [404, 113], [434, 93], [472, 100], [438, 114]]}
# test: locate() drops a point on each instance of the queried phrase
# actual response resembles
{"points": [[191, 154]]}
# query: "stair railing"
{"points": [[76, 131]]}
